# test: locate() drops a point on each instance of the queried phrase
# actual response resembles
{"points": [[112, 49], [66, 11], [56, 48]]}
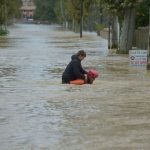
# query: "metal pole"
{"points": [[81, 17], [149, 35], [148, 55], [5, 13], [109, 36]]}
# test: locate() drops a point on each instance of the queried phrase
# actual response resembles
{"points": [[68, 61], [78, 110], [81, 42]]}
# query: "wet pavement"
{"points": [[37, 112]]}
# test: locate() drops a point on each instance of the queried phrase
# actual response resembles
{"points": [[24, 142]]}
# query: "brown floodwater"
{"points": [[37, 112]]}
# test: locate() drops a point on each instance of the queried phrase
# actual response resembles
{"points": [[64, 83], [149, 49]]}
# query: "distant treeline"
{"points": [[9, 9], [94, 10], [97, 14]]}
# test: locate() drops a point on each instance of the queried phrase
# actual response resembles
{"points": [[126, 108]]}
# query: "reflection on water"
{"points": [[39, 113]]}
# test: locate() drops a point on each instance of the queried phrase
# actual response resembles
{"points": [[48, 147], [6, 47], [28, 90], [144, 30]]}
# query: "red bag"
{"points": [[92, 73]]}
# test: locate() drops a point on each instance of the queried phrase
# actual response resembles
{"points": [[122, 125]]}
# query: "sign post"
{"points": [[138, 58], [81, 17]]}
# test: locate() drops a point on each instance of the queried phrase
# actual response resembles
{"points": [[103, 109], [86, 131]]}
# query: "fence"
{"points": [[140, 39]]}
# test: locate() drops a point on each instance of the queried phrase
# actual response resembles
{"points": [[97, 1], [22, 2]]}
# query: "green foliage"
{"points": [[45, 10], [99, 27], [13, 8], [9, 9], [59, 10], [117, 6], [142, 16], [2, 10], [73, 8], [3, 31], [69, 10]]}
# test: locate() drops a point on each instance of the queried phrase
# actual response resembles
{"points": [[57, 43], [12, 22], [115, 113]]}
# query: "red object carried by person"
{"points": [[92, 73]]}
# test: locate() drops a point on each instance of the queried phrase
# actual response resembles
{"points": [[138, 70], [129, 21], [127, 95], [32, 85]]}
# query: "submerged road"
{"points": [[37, 112]]}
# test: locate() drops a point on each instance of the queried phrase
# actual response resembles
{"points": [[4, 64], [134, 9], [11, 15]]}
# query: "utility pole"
{"points": [[148, 56], [149, 35], [109, 33], [5, 14], [81, 17]]}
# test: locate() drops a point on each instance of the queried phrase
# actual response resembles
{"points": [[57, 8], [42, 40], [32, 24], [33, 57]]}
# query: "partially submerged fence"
{"points": [[140, 39]]}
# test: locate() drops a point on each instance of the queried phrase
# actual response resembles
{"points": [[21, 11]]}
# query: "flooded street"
{"points": [[37, 112]]}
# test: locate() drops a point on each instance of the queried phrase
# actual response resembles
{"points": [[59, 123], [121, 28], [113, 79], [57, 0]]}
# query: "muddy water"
{"points": [[37, 112]]}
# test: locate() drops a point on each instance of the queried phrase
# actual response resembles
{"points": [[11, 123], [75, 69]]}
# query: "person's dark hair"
{"points": [[81, 53]]}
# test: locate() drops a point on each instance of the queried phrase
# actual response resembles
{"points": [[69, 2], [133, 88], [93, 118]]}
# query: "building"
{"points": [[27, 9]]}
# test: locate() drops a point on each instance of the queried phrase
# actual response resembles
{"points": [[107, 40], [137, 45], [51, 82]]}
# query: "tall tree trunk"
{"points": [[63, 14], [127, 30], [62, 9], [114, 32], [81, 17], [148, 61], [73, 24]]}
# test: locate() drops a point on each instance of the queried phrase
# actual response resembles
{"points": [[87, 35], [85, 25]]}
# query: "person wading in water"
{"points": [[74, 69]]}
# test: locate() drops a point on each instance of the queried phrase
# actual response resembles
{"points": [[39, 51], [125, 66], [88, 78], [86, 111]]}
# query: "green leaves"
{"points": [[45, 10], [142, 18], [9, 9]]}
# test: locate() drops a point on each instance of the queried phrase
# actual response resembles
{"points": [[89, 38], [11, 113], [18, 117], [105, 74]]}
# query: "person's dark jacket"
{"points": [[73, 70]]}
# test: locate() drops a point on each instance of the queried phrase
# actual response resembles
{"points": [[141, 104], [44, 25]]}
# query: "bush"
{"points": [[3, 31], [98, 28]]}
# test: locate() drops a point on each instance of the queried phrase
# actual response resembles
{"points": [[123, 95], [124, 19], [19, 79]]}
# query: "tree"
{"points": [[128, 29], [45, 10], [13, 8], [2, 10], [69, 11], [142, 15], [126, 10], [8, 9]]}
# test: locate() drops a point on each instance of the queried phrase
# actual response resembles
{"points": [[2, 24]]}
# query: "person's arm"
{"points": [[77, 70], [82, 70]]}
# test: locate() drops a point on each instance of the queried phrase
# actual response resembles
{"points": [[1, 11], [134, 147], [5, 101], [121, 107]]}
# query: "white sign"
{"points": [[138, 58]]}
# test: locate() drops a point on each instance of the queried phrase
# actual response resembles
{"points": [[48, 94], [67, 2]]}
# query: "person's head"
{"points": [[81, 54]]}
